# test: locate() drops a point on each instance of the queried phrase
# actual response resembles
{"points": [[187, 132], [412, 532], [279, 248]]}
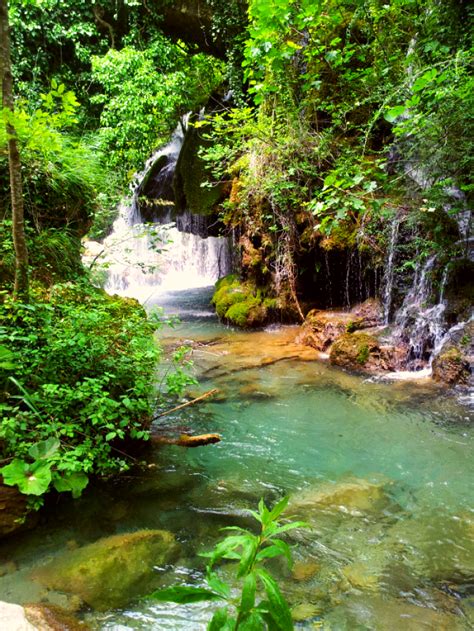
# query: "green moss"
{"points": [[241, 303], [240, 313], [363, 355]]}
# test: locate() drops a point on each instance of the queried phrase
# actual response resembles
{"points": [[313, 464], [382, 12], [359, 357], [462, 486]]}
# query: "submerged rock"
{"points": [[391, 614], [350, 496], [439, 546], [110, 572]]}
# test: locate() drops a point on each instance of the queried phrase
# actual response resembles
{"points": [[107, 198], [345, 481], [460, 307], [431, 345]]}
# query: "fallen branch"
{"points": [[185, 405], [187, 441]]}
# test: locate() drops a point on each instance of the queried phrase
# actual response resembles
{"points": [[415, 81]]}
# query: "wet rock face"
{"points": [[322, 328], [361, 351], [12, 509], [454, 364], [110, 572]]}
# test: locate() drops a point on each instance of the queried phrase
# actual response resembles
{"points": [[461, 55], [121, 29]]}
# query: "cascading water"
{"points": [[389, 271], [421, 325], [145, 259]]}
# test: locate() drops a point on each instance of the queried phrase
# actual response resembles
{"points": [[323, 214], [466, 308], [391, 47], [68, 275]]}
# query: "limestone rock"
{"points": [[361, 576], [13, 618], [110, 572]]}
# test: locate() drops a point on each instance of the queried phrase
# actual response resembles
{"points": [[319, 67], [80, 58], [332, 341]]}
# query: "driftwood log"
{"points": [[185, 440]]}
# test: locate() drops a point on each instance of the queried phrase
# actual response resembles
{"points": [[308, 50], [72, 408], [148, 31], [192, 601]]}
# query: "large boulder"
{"points": [[363, 351], [113, 570]]}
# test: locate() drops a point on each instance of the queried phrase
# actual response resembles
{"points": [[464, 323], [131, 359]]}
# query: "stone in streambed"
{"points": [[47, 617], [113, 570], [439, 546], [362, 351], [349, 496]]}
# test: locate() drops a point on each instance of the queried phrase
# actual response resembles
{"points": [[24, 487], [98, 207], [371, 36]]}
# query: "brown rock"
{"points": [[322, 328], [46, 617], [451, 367], [13, 510], [361, 351], [304, 570]]}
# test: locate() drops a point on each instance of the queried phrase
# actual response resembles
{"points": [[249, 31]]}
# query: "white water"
{"points": [[142, 260], [389, 271]]}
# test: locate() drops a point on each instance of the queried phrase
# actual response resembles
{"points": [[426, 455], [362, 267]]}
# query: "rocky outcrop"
{"points": [[47, 617], [322, 328], [363, 351], [13, 618], [241, 303], [110, 572], [453, 364]]}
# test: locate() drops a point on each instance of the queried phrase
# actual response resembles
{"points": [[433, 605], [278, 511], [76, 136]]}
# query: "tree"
{"points": [[18, 224]]}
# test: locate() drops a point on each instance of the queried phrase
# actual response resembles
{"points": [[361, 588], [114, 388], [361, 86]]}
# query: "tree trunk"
{"points": [[19, 239]]}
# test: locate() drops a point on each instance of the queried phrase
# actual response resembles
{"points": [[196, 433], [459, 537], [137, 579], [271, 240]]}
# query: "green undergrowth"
{"points": [[77, 386], [242, 303]]}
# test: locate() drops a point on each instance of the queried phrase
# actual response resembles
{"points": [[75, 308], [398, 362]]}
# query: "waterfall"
{"points": [[389, 271], [143, 259], [421, 325]]}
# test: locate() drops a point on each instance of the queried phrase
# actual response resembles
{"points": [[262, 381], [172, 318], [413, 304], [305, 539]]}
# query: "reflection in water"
{"points": [[380, 470]]}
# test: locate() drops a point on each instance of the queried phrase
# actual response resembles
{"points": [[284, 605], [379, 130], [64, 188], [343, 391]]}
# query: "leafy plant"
{"points": [[247, 610]]}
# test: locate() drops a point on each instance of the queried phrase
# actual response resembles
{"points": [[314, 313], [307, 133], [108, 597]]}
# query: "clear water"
{"points": [[290, 424]]}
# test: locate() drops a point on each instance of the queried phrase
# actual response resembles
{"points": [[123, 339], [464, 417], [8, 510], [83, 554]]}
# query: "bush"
{"points": [[77, 375]]}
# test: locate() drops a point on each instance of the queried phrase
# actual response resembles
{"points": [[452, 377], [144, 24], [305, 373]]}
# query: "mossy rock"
{"points": [[241, 303], [112, 571], [354, 350]]}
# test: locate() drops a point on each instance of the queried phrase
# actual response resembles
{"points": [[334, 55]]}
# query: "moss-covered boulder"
{"points": [[241, 303], [362, 351], [112, 571]]}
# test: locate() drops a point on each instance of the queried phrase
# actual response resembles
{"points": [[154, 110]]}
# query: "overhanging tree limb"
{"points": [[18, 228]]}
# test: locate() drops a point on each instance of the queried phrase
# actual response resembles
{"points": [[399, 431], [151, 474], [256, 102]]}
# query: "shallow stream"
{"points": [[382, 471]]}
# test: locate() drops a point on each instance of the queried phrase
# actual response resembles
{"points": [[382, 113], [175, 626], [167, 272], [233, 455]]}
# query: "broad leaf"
{"points": [[183, 594], [217, 585], [394, 112], [73, 482], [30, 479], [249, 551], [44, 449]]}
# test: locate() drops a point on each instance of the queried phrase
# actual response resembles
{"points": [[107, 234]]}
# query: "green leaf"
{"points": [[30, 479], [252, 622], [292, 526], [279, 609], [278, 509], [217, 585], [250, 547], [394, 112], [249, 589], [183, 594], [44, 449], [73, 482], [221, 621]]}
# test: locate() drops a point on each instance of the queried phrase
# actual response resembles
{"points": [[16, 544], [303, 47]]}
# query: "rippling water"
{"points": [[400, 556]]}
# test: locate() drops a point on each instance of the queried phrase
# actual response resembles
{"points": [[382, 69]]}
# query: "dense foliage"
{"points": [[77, 375]]}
